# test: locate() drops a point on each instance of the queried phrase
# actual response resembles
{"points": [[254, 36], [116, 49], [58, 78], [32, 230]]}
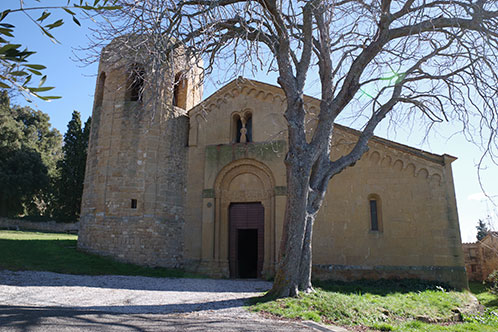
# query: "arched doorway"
{"points": [[244, 225]]}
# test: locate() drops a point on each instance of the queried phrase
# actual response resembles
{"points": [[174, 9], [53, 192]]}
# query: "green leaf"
{"points": [[4, 13], [18, 73], [7, 47], [36, 72], [7, 25], [48, 98], [4, 86], [56, 24], [42, 81], [37, 67], [6, 31], [68, 11], [40, 89], [47, 33], [85, 7], [75, 20], [43, 16]]}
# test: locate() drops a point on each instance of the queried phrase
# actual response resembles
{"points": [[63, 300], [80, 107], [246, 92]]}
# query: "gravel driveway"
{"points": [[45, 301]]}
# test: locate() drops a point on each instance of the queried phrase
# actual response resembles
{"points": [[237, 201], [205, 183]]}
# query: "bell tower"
{"points": [[134, 190]]}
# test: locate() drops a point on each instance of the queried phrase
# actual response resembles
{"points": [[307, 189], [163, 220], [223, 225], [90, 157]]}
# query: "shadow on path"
{"points": [[35, 278], [40, 319]]}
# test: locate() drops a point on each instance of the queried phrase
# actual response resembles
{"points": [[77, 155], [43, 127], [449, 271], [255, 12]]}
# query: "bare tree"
{"points": [[436, 58]]}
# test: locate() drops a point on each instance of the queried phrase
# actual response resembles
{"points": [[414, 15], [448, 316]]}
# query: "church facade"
{"points": [[202, 185]]}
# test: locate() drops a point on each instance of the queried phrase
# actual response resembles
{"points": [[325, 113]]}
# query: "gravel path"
{"points": [[126, 294], [51, 298]]}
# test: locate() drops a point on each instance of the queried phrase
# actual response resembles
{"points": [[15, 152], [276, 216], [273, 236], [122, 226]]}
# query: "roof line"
{"points": [[433, 157]]}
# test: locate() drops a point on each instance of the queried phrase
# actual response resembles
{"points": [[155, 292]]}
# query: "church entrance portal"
{"points": [[246, 240]]}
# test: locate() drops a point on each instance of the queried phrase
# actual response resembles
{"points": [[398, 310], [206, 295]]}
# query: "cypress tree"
{"points": [[71, 170], [482, 230]]}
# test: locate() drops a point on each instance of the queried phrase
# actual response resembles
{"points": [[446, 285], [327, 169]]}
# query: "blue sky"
{"points": [[76, 84]]}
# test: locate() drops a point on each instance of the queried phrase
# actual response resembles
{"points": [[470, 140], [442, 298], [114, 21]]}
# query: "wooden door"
{"points": [[246, 240]]}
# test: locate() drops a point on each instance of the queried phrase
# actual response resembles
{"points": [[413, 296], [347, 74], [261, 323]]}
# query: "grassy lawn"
{"points": [[386, 306], [57, 253]]}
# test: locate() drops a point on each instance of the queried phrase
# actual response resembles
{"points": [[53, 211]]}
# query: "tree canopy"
{"points": [[29, 149]]}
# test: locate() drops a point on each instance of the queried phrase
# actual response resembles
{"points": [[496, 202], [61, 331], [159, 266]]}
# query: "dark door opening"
{"points": [[247, 253], [246, 240]]}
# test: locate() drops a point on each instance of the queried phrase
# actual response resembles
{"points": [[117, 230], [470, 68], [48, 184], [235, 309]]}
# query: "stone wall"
{"points": [[481, 257], [472, 253], [134, 191], [43, 226], [453, 276]]}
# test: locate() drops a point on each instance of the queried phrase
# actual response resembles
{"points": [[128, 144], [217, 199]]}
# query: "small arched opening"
{"points": [[135, 85], [375, 212], [180, 86], [99, 94]]}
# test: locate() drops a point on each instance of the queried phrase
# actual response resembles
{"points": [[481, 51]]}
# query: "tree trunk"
{"points": [[293, 273]]}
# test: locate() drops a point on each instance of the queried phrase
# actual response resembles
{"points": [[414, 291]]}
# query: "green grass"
{"points": [[21, 251], [385, 306], [487, 299]]}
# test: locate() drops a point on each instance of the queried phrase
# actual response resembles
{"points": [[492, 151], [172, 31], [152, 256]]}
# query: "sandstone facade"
{"points": [[193, 176]]}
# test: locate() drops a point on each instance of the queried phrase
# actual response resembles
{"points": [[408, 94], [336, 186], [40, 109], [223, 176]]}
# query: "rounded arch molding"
{"points": [[244, 166], [262, 190]]}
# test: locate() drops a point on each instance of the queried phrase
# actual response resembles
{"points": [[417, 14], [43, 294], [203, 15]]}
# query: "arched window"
{"points": [[180, 91], [236, 125], [375, 213], [99, 94], [248, 117], [242, 128], [136, 81]]}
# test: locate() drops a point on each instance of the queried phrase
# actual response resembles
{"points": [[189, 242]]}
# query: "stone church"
{"points": [[201, 185]]}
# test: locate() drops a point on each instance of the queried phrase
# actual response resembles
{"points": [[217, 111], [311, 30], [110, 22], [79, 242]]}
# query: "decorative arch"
{"points": [[260, 189]]}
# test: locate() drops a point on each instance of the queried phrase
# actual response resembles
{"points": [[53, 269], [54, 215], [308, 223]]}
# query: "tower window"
{"points": [[136, 82], [375, 213], [99, 94], [180, 86], [133, 203]]}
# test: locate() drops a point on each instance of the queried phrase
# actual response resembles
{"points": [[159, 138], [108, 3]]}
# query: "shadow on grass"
{"points": [[381, 287], [62, 256]]}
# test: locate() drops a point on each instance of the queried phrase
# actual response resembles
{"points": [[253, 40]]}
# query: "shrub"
{"points": [[492, 282]]}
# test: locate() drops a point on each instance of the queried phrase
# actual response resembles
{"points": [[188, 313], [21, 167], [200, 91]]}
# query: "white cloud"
{"points": [[477, 197]]}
